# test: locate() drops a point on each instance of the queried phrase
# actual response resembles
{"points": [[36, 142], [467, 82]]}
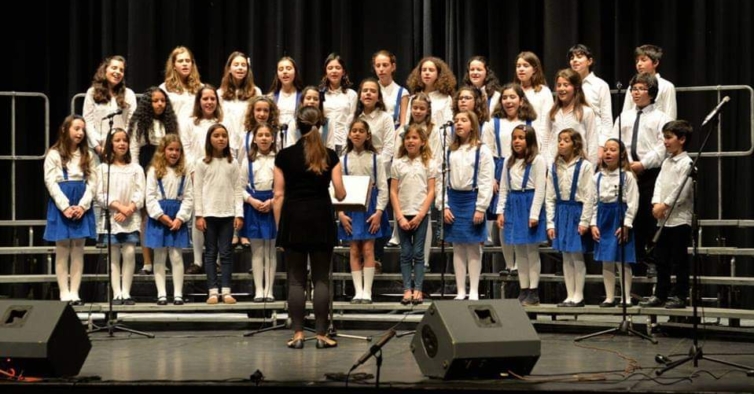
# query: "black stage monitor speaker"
{"points": [[42, 338], [475, 339]]}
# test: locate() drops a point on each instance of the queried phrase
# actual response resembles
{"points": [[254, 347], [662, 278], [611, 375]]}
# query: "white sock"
{"points": [[160, 257], [535, 265], [77, 267], [394, 239], [147, 267], [197, 238], [257, 266], [115, 271], [608, 277], [523, 265], [459, 266], [474, 253], [226, 291], [579, 275], [568, 275], [270, 267], [626, 282], [368, 280], [129, 264], [176, 261], [358, 285], [62, 252]]}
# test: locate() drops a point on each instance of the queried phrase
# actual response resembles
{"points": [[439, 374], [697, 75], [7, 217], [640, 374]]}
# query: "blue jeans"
{"points": [[217, 239], [412, 253]]}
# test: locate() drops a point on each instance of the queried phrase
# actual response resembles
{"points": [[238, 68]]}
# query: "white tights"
{"points": [[73, 248], [529, 265], [127, 250], [470, 254], [263, 266], [176, 261]]}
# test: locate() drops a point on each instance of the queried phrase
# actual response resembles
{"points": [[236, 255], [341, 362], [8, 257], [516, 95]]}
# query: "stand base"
{"points": [[112, 325], [624, 328], [406, 333], [696, 354]]}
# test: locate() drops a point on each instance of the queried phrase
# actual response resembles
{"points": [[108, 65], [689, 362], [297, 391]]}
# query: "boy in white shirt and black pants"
{"points": [[671, 251]]}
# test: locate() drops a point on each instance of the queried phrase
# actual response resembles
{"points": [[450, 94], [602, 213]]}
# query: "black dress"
{"points": [[307, 218]]}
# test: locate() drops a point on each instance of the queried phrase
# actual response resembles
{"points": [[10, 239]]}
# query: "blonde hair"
{"points": [[160, 162], [425, 152], [474, 138], [173, 82]]}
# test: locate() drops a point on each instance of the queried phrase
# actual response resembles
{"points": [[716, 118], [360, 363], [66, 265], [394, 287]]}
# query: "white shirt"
{"points": [[442, 107], [537, 182], [286, 103], [542, 102], [461, 175], [53, 168], [383, 132], [608, 192], [217, 189], [597, 93], [194, 138], [183, 103], [584, 190], [170, 183], [665, 100], [97, 127], [668, 186], [337, 107], [650, 144], [587, 127], [234, 116], [154, 135], [264, 170], [126, 186], [413, 182], [435, 141], [360, 163], [491, 103], [390, 98], [505, 129]]}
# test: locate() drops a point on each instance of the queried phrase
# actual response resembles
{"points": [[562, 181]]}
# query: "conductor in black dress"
{"points": [[306, 221]]}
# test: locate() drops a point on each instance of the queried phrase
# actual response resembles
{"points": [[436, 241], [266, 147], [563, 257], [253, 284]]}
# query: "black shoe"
{"points": [[606, 304], [296, 343], [178, 300], [514, 272], [653, 302], [366, 301], [245, 245], [117, 301], [77, 303], [579, 304], [522, 295], [162, 301], [564, 304], [145, 272], [129, 301], [194, 270], [504, 272], [258, 299], [322, 344], [356, 301], [675, 303], [269, 299], [651, 271]]}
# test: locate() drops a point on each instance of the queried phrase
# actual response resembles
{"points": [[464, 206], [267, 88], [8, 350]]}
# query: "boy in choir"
{"points": [[647, 61]]}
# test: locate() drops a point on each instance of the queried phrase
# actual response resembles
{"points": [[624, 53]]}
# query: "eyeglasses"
{"points": [[639, 89]]}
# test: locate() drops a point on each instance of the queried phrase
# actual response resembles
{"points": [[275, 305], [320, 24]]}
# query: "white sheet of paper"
{"points": [[357, 193]]}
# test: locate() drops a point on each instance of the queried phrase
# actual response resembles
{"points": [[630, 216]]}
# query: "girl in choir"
{"points": [[236, 89], [262, 109], [170, 202], [218, 208], [310, 97], [182, 82], [412, 191], [153, 119], [433, 77], [257, 170], [614, 240], [481, 76], [571, 111], [362, 228], [521, 216], [512, 110], [207, 111], [570, 190], [70, 180], [394, 95], [121, 190], [531, 76], [338, 101], [468, 193], [107, 100], [371, 109], [286, 89]]}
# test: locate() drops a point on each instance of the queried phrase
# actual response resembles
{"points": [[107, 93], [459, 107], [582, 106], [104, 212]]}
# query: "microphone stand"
{"points": [[624, 327], [695, 352], [111, 320]]}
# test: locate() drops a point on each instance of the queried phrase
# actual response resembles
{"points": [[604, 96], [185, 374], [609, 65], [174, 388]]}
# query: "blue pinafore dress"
{"points": [[359, 225], [257, 225], [568, 216], [517, 207], [60, 227], [609, 216], [463, 205], [160, 236]]}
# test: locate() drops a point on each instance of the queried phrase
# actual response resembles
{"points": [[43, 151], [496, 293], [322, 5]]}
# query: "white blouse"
{"points": [[127, 184], [461, 175], [95, 114], [584, 189], [53, 170], [170, 183]]}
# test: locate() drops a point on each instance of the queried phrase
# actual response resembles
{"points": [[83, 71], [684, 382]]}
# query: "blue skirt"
{"points": [[359, 225], [567, 238], [160, 236], [516, 229], [60, 227], [258, 225], [491, 215], [120, 238], [462, 204], [608, 249]]}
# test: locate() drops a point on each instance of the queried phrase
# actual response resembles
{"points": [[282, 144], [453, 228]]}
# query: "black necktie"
{"points": [[635, 137]]}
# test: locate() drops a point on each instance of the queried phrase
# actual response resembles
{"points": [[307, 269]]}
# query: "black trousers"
{"points": [[295, 260], [645, 225], [671, 255]]}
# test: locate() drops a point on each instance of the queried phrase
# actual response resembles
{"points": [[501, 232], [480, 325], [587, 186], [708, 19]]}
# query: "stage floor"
{"points": [[227, 358]]}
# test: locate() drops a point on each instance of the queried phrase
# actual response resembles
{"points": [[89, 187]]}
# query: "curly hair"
{"points": [[101, 86], [480, 104], [143, 117], [491, 84], [243, 90], [173, 82], [63, 145], [250, 122], [160, 161], [446, 81]]}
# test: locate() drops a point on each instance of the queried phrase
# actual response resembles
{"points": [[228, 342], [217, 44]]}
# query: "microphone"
{"points": [[112, 115], [374, 349], [283, 129], [716, 110], [447, 124]]}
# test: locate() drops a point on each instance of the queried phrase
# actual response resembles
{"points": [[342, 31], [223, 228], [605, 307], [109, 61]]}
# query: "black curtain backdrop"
{"points": [[55, 47]]}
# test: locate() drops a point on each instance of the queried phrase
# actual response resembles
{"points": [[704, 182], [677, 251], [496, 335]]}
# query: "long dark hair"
{"points": [[208, 149], [63, 145], [143, 118]]}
